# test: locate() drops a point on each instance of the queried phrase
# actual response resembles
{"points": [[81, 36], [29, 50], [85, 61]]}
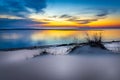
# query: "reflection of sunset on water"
{"points": [[24, 38], [51, 34], [61, 34]]}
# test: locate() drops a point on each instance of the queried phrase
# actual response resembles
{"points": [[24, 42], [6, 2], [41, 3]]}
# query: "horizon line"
{"points": [[63, 28]]}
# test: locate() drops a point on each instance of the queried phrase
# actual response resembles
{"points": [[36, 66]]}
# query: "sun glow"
{"points": [[61, 23], [76, 21], [53, 21], [110, 21]]}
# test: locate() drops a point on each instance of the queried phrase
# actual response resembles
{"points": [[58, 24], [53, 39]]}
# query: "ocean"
{"points": [[27, 38]]}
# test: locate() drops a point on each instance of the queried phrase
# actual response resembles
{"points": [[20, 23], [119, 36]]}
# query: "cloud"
{"points": [[21, 7], [101, 14], [78, 19], [86, 21], [65, 16], [18, 23]]}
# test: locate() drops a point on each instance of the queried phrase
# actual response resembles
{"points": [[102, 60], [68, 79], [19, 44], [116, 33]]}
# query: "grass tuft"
{"points": [[95, 40]]}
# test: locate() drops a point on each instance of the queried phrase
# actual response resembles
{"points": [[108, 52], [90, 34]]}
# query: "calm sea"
{"points": [[27, 38]]}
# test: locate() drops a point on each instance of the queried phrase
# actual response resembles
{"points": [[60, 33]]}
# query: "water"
{"points": [[26, 38]]}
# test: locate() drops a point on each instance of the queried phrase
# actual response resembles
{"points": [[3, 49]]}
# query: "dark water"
{"points": [[26, 38]]}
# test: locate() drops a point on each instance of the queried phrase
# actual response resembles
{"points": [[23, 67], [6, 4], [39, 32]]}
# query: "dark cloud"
{"points": [[102, 13], [37, 5], [82, 21], [17, 23], [21, 7], [86, 21], [65, 16]]}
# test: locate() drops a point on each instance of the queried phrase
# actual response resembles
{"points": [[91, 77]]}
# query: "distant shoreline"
{"points": [[67, 29]]}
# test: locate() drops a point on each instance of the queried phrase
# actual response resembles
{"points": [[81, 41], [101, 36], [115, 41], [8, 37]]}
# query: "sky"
{"points": [[59, 13]]}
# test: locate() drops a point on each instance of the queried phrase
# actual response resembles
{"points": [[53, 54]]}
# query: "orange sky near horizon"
{"points": [[109, 21]]}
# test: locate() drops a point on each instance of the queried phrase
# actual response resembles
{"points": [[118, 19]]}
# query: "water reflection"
{"points": [[59, 34], [25, 38]]}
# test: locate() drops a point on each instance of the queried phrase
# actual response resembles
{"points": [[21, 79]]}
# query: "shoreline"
{"points": [[47, 46]]}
